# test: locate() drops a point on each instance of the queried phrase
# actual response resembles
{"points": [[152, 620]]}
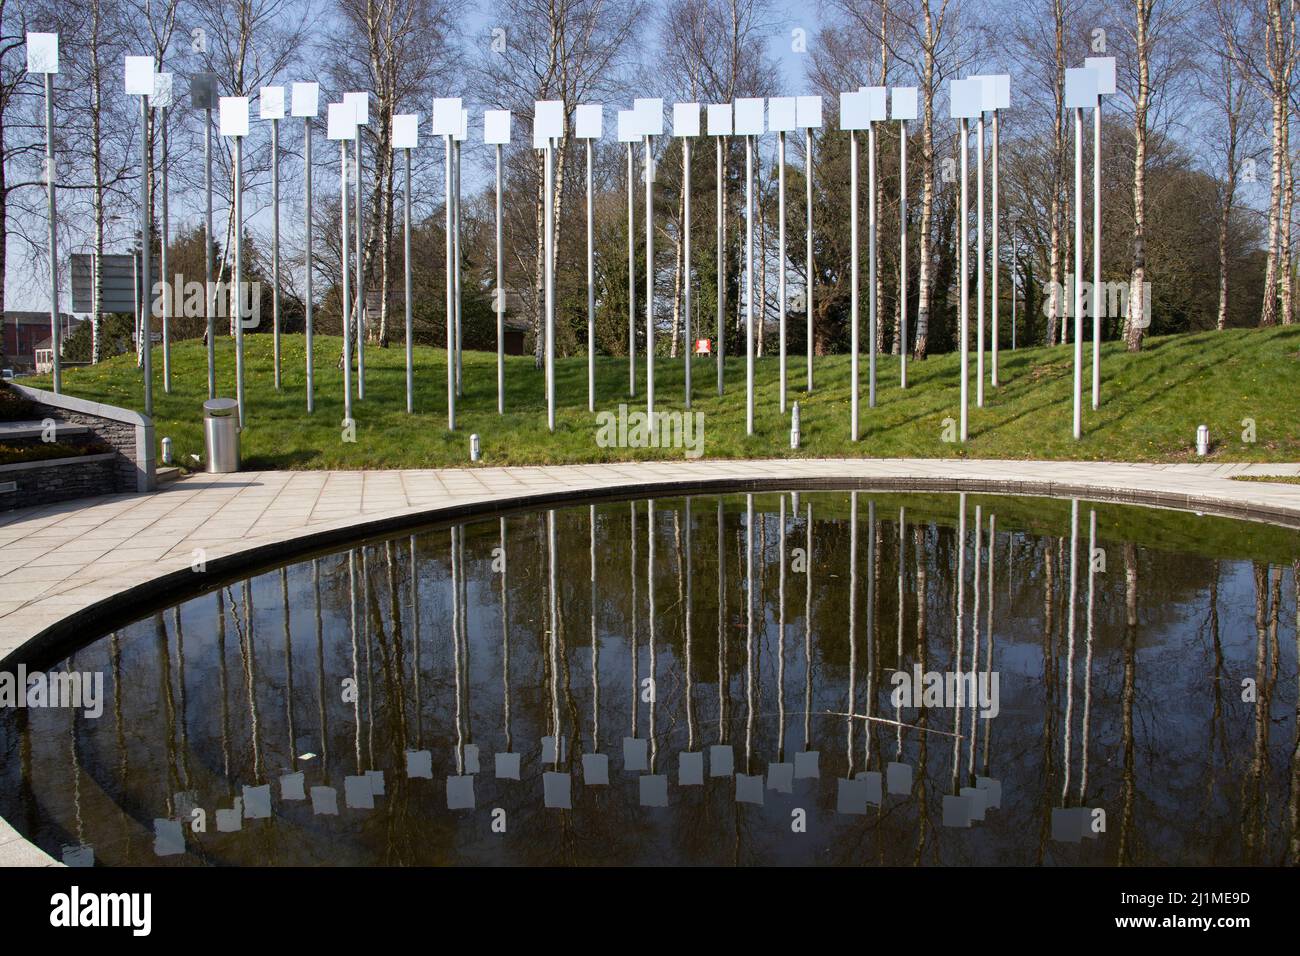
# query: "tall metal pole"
{"points": [[902, 254], [275, 248], [500, 299], [1078, 272], [549, 273], [361, 273], [964, 306], [1014, 279], [311, 262], [780, 242], [162, 262], [873, 304], [997, 260], [686, 268], [631, 278], [208, 291], [749, 285], [979, 262], [649, 285], [406, 251], [591, 290], [808, 239], [455, 260], [853, 285], [1096, 255], [146, 285], [56, 336], [239, 280], [347, 295], [451, 303], [721, 282]]}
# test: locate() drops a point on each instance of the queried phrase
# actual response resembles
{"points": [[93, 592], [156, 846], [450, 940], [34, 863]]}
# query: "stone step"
{"points": [[166, 473]]}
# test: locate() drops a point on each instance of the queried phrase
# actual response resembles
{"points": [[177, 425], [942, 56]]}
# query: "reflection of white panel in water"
{"points": [[635, 755], [690, 769], [557, 788], [595, 770]]}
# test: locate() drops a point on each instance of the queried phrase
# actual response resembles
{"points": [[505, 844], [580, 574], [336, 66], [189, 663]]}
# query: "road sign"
{"points": [[703, 347], [117, 283]]}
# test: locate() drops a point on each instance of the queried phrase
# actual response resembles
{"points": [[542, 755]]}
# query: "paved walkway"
{"points": [[57, 562]]}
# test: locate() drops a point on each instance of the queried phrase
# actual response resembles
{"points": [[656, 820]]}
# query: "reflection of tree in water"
{"points": [[1126, 697]]}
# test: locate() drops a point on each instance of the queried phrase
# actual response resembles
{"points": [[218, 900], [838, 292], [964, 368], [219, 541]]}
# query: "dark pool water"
{"points": [[729, 665]]}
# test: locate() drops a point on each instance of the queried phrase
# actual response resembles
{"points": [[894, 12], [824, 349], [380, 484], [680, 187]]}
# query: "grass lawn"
{"points": [[1151, 405]]}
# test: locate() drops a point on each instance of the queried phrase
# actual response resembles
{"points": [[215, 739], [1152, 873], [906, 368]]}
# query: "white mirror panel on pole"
{"points": [[203, 96], [496, 133], [808, 116], [877, 97], [686, 126], [406, 137], [1105, 67], [548, 125], [304, 105], [782, 113], [749, 124], [719, 127], [627, 134], [855, 115], [234, 123], [650, 123], [162, 100], [966, 98], [271, 107], [902, 107], [140, 82], [360, 103], [588, 120], [340, 123], [43, 59], [446, 123], [1081, 86]]}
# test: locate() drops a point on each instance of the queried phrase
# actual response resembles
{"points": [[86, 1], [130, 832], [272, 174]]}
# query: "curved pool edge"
{"points": [[113, 562]]}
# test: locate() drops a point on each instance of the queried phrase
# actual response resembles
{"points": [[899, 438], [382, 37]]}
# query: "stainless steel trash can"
{"points": [[221, 435]]}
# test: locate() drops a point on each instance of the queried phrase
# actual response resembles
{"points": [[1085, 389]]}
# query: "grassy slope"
{"points": [[1152, 403]]}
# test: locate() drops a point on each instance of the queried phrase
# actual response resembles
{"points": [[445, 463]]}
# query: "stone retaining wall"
{"points": [[58, 479]]}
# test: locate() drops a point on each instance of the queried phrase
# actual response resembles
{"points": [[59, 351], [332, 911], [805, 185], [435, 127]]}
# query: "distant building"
{"points": [[26, 332]]}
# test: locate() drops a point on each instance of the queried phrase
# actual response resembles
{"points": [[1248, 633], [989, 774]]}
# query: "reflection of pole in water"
{"points": [[1087, 669], [902, 549], [975, 641], [749, 629], [288, 667], [957, 637], [780, 633], [250, 677], [455, 642], [595, 646], [415, 632], [180, 686], [851, 706], [320, 668], [505, 639], [352, 633], [650, 598], [871, 625], [807, 615], [988, 630], [1069, 645], [690, 672], [554, 629], [723, 679]]}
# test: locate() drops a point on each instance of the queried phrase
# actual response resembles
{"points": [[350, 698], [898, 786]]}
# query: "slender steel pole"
{"points": [[1078, 272], [56, 336], [997, 260], [963, 236], [361, 273], [275, 249], [591, 289], [208, 291], [749, 285], [853, 285], [1096, 255], [808, 239], [549, 273], [239, 280], [979, 263], [902, 254], [162, 261], [455, 260], [780, 242], [500, 299], [873, 304], [146, 285], [347, 295], [649, 285], [631, 278], [686, 265], [406, 252], [722, 288], [451, 304], [310, 264], [1014, 280]]}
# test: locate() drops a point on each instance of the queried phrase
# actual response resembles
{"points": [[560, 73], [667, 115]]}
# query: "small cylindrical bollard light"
{"points": [[475, 450], [1202, 440], [166, 451], [794, 425]]}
